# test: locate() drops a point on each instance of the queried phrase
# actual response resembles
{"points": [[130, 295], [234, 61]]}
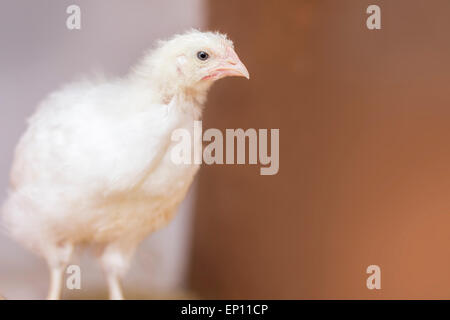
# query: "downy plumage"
{"points": [[94, 165]]}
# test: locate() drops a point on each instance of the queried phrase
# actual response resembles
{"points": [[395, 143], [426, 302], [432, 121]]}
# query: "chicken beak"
{"points": [[229, 67]]}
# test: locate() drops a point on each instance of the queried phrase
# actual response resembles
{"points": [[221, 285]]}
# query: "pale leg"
{"points": [[56, 279], [115, 263], [114, 287], [57, 259]]}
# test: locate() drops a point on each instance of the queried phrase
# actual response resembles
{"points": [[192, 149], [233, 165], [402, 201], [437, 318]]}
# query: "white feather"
{"points": [[94, 164]]}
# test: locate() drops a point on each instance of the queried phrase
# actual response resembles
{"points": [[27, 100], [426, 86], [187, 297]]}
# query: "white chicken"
{"points": [[94, 166]]}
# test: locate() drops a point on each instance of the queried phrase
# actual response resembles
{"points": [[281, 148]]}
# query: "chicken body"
{"points": [[94, 166]]}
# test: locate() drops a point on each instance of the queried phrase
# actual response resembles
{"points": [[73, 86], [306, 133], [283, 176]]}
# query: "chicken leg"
{"points": [[56, 279], [58, 258], [115, 262]]}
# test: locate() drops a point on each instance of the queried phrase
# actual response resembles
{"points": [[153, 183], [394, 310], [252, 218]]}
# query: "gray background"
{"points": [[37, 55]]}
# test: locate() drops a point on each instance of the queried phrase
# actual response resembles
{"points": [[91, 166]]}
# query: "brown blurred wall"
{"points": [[364, 178]]}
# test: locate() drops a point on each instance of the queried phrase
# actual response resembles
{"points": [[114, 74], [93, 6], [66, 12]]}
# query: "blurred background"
{"points": [[364, 145]]}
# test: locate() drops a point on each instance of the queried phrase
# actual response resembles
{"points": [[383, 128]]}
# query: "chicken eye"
{"points": [[202, 55]]}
